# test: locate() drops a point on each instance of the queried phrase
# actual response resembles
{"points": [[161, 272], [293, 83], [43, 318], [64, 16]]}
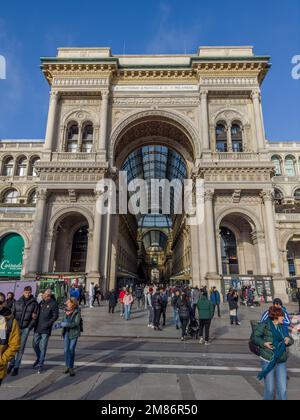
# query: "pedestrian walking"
{"points": [[112, 302], [195, 295], [184, 311], [10, 300], [10, 337], [265, 295], [97, 295], [150, 308], [82, 297], [174, 301], [121, 300], [139, 292], [165, 298], [215, 298], [72, 327], [157, 307], [128, 301], [91, 294], [206, 313], [273, 343], [47, 315], [25, 312], [233, 302]]}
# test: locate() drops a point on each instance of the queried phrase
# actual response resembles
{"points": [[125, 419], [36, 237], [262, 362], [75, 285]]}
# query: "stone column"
{"points": [[212, 274], [38, 233], [229, 140], [204, 119], [94, 275], [279, 280], [49, 139], [258, 239], [261, 141], [104, 121]]}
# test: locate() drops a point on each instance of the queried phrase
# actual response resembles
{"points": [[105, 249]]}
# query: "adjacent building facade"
{"points": [[190, 116]]}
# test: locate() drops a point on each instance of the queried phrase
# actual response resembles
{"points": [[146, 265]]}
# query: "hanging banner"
{"points": [[11, 255]]}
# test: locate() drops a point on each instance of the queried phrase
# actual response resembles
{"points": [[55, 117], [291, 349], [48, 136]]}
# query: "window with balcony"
{"points": [[72, 138], [221, 138], [237, 138], [22, 166], [276, 160], [32, 199], [87, 138], [32, 166], [290, 166], [8, 167]]}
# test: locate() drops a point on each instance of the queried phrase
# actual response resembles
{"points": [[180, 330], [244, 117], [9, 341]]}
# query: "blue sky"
{"points": [[29, 30]]}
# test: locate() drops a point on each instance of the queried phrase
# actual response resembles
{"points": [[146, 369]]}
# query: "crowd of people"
{"points": [[193, 310]]}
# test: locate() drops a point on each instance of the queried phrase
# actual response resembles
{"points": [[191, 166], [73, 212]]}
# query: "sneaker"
{"points": [[238, 323], [182, 339], [206, 343], [149, 326], [40, 370], [72, 373], [201, 340], [35, 365], [15, 372]]}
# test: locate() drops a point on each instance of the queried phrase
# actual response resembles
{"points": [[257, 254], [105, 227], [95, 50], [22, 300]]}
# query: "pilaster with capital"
{"points": [[260, 134], [51, 123], [210, 232], [204, 119], [104, 120], [97, 248]]}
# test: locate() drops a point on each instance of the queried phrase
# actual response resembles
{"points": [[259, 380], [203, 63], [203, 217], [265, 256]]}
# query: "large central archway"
{"points": [[161, 146]]}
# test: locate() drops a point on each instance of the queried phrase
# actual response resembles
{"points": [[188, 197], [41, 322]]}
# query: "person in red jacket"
{"points": [[121, 300]]}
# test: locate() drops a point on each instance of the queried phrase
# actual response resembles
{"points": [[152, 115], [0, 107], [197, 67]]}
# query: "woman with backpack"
{"points": [[273, 341], [10, 337], [72, 328], [184, 311]]}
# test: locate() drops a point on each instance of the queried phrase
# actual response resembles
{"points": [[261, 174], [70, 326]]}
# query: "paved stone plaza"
{"points": [[126, 360]]}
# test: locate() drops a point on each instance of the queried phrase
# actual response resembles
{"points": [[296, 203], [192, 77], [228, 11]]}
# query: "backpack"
{"points": [[9, 329], [254, 348]]}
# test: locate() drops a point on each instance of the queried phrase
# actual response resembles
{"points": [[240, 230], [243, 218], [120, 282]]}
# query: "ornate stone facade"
{"points": [[207, 107]]}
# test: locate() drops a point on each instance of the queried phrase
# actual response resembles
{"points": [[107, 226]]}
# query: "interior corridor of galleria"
{"points": [[183, 117]]}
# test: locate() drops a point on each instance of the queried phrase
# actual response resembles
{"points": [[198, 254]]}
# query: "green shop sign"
{"points": [[11, 255]]}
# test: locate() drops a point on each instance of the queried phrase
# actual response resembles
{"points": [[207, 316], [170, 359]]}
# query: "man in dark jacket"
{"points": [[25, 312], [157, 307], [216, 300], [112, 299], [48, 314]]}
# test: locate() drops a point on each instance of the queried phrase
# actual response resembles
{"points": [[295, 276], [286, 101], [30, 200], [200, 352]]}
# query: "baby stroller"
{"points": [[193, 329]]}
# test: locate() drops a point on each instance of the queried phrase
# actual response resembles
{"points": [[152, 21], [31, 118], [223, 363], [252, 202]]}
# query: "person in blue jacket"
{"points": [[74, 292], [287, 320], [216, 300]]}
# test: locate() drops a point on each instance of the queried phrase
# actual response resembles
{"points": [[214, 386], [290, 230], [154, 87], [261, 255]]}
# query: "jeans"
{"points": [[219, 310], [151, 315], [281, 382], [176, 317], [127, 312], [16, 361], [69, 349], [184, 324], [40, 345], [204, 325]]}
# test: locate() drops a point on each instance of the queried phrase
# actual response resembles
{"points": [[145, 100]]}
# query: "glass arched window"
{"points": [[32, 197], [8, 167], [221, 138], [32, 168], [87, 138], [277, 163], [21, 167], [237, 137], [72, 138], [230, 263], [11, 197], [297, 195], [290, 166]]}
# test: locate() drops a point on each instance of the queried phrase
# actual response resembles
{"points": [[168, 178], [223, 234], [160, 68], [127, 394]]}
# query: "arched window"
{"points": [[229, 252], [87, 138], [11, 197], [278, 197], [277, 163], [237, 137], [32, 168], [32, 199], [290, 166], [221, 138], [72, 138], [8, 167], [297, 195], [21, 166]]}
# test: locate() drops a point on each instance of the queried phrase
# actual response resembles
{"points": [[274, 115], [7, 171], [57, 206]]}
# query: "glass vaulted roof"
{"points": [[160, 163], [155, 239]]}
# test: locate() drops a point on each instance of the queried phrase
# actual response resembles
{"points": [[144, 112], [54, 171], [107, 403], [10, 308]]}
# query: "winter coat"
{"points": [[10, 303], [184, 308], [112, 299], [73, 328], [48, 314], [205, 308], [23, 311], [74, 293], [263, 334], [233, 302], [128, 299], [164, 298], [215, 298], [157, 301], [9, 347], [139, 293]]}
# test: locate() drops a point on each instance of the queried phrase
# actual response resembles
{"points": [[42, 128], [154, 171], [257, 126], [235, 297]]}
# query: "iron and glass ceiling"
{"points": [[160, 163]]}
